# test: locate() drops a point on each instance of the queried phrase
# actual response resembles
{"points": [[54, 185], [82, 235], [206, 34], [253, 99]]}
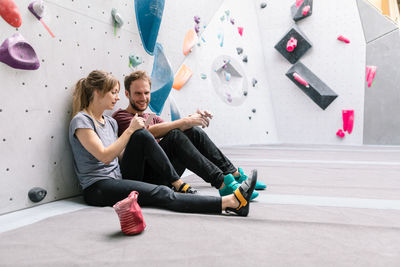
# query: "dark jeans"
{"points": [[193, 149], [110, 191]]}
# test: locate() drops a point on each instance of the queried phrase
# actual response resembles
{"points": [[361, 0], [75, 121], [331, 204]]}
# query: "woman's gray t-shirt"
{"points": [[89, 169]]}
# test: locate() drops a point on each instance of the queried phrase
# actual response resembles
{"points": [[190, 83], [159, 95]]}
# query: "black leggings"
{"points": [[110, 191], [143, 166]]}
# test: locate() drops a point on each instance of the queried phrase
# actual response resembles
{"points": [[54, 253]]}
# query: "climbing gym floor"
{"points": [[324, 206]]}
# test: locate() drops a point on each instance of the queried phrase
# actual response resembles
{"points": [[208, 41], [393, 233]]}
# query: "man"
{"points": [[186, 145]]}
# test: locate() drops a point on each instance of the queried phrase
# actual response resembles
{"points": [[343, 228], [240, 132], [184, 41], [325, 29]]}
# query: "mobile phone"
{"points": [[149, 119]]}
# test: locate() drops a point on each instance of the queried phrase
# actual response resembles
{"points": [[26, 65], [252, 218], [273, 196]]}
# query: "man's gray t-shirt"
{"points": [[89, 169]]}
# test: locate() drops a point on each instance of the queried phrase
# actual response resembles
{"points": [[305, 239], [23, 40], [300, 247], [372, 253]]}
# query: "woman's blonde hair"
{"points": [[84, 89]]}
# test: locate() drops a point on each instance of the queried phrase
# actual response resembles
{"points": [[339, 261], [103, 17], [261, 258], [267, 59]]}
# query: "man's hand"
{"points": [[200, 118]]}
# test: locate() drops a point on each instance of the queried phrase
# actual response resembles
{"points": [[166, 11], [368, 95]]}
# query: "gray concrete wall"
{"points": [[382, 99]]}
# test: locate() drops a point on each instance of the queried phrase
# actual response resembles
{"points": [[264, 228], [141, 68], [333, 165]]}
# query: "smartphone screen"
{"points": [[149, 119]]}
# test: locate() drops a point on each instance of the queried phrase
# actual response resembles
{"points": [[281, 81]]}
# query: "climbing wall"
{"points": [[35, 106], [339, 65], [242, 112], [382, 98]]}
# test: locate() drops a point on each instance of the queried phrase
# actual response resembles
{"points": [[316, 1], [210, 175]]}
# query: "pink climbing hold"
{"points": [[340, 133], [343, 39], [371, 71], [348, 120], [240, 30], [291, 44], [306, 9], [300, 79], [299, 2]]}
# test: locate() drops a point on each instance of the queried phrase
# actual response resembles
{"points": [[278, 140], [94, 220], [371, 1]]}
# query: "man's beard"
{"points": [[135, 107]]}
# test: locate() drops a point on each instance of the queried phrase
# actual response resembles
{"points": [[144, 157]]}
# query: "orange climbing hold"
{"points": [[189, 41], [181, 77]]}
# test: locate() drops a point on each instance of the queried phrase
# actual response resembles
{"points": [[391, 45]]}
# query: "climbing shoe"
{"points": [[231, 185], [243, 194], [242, 177]]}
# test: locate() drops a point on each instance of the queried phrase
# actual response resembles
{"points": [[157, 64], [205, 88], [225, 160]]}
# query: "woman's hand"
{"points": [[136, 123]]}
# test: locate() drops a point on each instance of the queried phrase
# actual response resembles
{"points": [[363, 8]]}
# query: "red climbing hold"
{"points": [[240, 30], [371, 71], [348, 120], [306, 9], [300, 79], [291, 44], [299, 2], [340, 133], [10, 13], [343, 39]]}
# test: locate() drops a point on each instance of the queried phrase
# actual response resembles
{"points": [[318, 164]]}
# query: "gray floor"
{"points": [[324, 206]]}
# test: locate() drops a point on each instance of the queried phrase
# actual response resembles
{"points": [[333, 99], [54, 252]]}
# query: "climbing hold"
{"points": [[17, 53], [181, 77], [240, 30], [245, 59], [222, 18], [175, 113], [197, 28], [303, 44], [254, 82], [301, 9], [249, 117], [189, 41], [245, 93], [221, 38], [253, 110], [162, 78], [340, 133], [306, 9], [196, 19], [148, 19], [318, 91], [229, 98], [134, 60], [239, 50], [227, 12], [348, 120], [227, 76], [37, 194], [10, 13], [263, 5], [371, 71], [37, 9], [300, 79], [343, 39], [117, 18], [291, 44], [232, 21], [202, 38], [299, 2], [203, 76]]}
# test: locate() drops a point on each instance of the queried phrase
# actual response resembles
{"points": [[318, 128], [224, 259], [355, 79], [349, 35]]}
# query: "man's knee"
{"points": [[174, 134], [142, 135]]}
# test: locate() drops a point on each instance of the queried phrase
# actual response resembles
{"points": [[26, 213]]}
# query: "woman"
{"points": [[96, 148]]}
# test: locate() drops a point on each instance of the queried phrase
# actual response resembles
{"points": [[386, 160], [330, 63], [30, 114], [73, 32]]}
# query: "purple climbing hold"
{"points": [[197, 28], [18, 54], [196, 19], [232, 21]]}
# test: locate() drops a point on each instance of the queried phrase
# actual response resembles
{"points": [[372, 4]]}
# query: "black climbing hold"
{"points": [[263, 5], [37, 194], [297, 12], [249, 117], [253, 110], [317, 90], [303, 44], [254, 82], [245, 93], [239, 50], [245, 59]]}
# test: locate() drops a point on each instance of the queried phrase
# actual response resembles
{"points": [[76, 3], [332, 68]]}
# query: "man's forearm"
{"points": [[161, 129]]}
